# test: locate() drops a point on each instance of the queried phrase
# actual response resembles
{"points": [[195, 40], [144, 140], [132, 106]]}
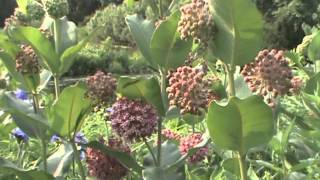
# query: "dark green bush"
{"points": [[117, 61], [285, 18], [112, 18]]}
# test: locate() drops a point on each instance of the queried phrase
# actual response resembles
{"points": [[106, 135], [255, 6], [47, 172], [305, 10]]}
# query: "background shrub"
{"points": [[285, 20], [112, 18]]}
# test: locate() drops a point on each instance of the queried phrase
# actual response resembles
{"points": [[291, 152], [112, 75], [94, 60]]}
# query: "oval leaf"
{"points": [[7, 167], [239, 34], [313, 49], [141, 31], [23, 114], [68, 109], [167, 49], [146, 88], [241, 124]]}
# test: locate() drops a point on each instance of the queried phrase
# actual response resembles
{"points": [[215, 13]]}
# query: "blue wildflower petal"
{"points": [[55, 138], [20, 135], [21, 94], [80, 138]]}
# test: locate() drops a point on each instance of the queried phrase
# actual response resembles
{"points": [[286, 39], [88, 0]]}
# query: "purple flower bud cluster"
{"points": [[27, 61], [269, 75], [101, 87], [133, 119], [191, 141], [104, 167], [20, 135], [196, 21], [188, 90]]}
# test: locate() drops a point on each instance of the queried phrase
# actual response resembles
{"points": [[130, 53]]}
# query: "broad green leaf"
{"points": [[146, 88], [313, 49], [67, 110], [10, 64], [7, 167], [232, 165], [45, 77], [239, 34], [68, 56], [312, 102], [241, 124], [68, 30], [122, 157], [167, 49], [8, 46], [157, 173], [60, 161], [193, 119], [170, 152], [313, 85], [141, 30], [42, 46], [23, 114]]}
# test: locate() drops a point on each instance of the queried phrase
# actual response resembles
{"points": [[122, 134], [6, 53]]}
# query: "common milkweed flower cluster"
{"points": [[271, 76], [133, 119], [103, 166]]}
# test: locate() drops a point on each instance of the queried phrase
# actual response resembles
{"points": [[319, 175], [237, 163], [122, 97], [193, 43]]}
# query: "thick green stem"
{"points": [[160, 8], [43, 140], [57, 86], [231, 87], [44, 154], [164, 101], [242, 166], [317, 66], [150, 150], [78, 160], [57, 35]]}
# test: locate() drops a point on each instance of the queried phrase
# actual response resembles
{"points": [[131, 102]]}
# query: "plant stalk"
{"points": [[78, 160], [44, 154], [231, 86], [56, 86], [160, 8], [57, 35], [43, 140], [242, 166], [150, 150], [317, 66]]}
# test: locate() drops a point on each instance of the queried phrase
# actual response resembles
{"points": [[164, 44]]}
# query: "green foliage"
{"points": [[146, 88], [67, 113], [112, 19], [285, 20], [239, 38], [241, 124], [104, 57], [7, 167], [167, 49]]}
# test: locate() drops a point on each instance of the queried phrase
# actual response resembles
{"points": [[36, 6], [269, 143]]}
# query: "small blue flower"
{"points": [[20, 135], [82, 154], [55, 138], [80, 138], [109, 110], [21, 94]]}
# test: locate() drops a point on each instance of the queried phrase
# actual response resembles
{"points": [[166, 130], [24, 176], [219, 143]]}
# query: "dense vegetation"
{"points": [[159, 89]]}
